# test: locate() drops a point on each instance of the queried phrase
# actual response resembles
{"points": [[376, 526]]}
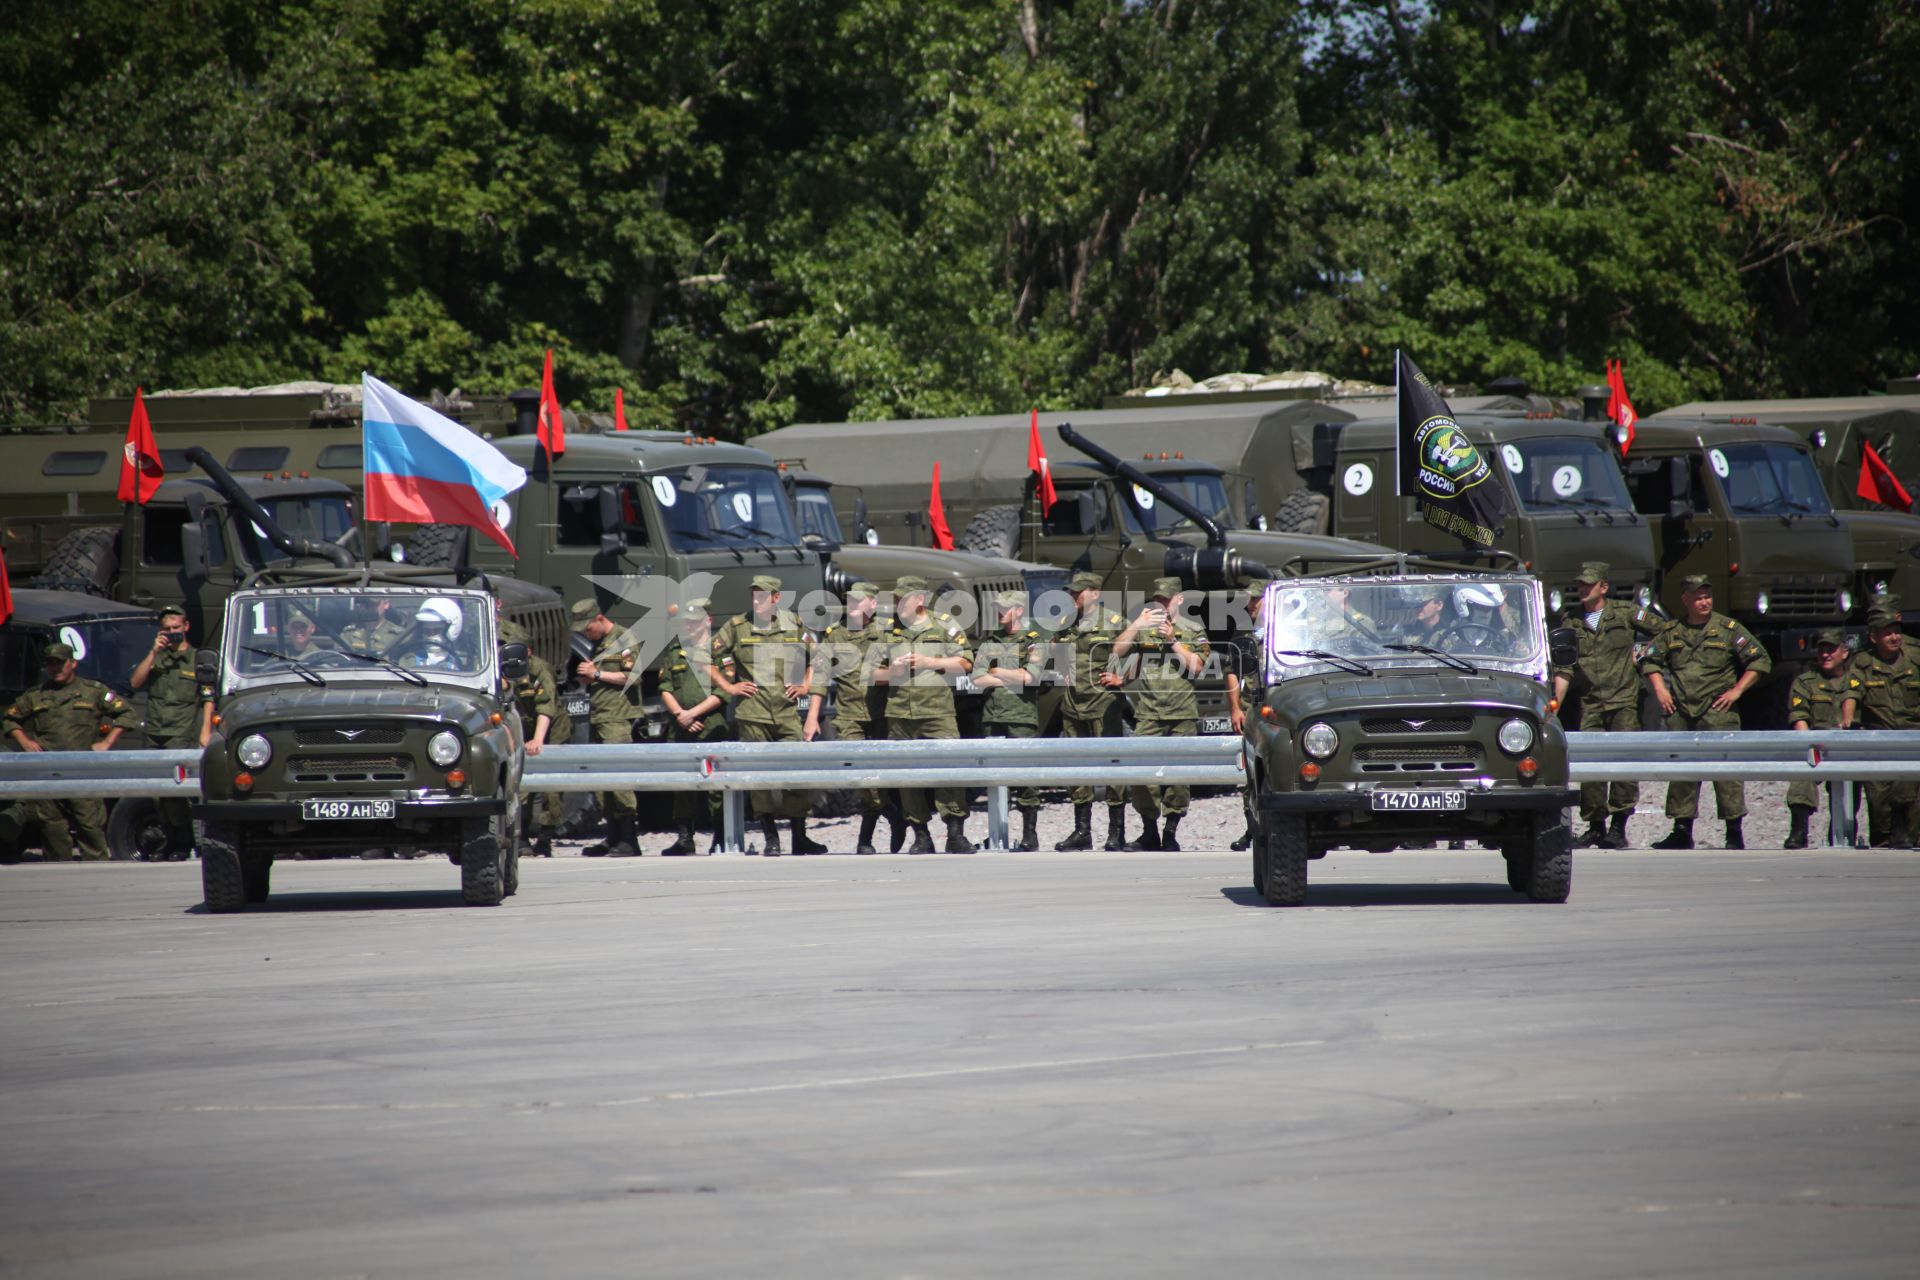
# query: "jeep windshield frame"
{"points": [[1477, 624], [259, 649], [723, 505]]}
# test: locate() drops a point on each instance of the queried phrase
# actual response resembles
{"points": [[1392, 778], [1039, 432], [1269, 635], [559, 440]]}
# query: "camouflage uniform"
{"points": [[1888, 697], [1014, 712], [684, 674], [611, 712], [1087, 707], [920, 708], [771, 656], [1699, 664], [376, 637], [67, 717], [537, 694], [846, 662], [1164, 706], [1816, 700], [176, 703], [1606, 677]]}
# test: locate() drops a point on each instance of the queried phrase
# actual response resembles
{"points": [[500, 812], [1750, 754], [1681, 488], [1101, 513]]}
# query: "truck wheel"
{"points": [[1284, 836], [221, 882], [1302, 511], [1550, 877], [85, 560], [256, 877], [443, 546], [483, 863], [994, 532], [134, 830]]}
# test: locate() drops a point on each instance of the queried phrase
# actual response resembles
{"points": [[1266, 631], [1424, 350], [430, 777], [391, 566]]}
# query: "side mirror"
{"points": [[515, 659], [1083, 512], [206, 666], [1563, 646], [861, 526], [613, 529], [1679, 489], [193, 549], [1250, 500]]}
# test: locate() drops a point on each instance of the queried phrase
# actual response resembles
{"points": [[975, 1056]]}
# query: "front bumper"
{"points": [[1497, 800], [403, 810]]}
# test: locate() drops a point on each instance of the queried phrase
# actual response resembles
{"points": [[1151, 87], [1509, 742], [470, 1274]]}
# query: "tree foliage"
{"points": [[751, 212]]}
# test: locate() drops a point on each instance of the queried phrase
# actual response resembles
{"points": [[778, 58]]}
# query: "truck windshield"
{"points": [[1768, 479], [813, 506], [1556, 472], [1146, 514], [1375, 622], [343, 633], [322, 518], [723, 506]]}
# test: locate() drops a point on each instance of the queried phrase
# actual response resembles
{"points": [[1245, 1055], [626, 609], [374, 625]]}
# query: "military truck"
{"points": [[1402, 709], [331, 751], [1886, 541]]}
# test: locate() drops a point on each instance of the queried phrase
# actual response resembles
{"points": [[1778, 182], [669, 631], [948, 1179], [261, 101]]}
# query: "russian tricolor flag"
{"points": [[425, 468]]}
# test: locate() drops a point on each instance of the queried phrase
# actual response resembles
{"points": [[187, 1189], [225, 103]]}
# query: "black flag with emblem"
{"points": [[1439, 467]]}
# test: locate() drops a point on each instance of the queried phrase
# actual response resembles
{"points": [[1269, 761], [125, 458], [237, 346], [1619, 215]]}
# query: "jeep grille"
{"points": [[1425, 757], [347, 769], [1382, 725], [389, 735]]}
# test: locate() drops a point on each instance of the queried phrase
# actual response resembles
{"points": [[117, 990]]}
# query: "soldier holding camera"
{"points": [[179, 712]]}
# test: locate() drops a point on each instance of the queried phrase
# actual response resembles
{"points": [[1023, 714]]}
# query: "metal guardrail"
{"points": [[60, 775]]}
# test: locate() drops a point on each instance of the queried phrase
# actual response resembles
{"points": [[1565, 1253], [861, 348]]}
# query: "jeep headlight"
{"points": [[254, 751], [1515, 736], [1844, 600], [1644, 597], [1320, 740], [1555, 600], [1760, 603], [444, 747]]}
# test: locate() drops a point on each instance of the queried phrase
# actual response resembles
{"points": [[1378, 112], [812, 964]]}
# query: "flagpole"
{"points": [[1399, 474]]}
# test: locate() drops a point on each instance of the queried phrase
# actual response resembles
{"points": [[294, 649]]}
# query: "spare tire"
{"points": [[85, 560], [1302, 511], [442, 546], [994, 532]]}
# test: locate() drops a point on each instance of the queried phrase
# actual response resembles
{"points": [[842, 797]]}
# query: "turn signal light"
{"points": [[1553, 705], [216, 719], [494, 718], [1266, 713], [456, 779], [1309, 772], [1528, 767], [243, 781]]}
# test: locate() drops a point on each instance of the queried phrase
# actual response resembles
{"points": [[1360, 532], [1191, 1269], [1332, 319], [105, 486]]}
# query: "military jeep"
{"points": [[1403, 710], [359, 718]]}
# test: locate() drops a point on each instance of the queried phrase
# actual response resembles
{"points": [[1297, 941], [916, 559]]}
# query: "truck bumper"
{"points": [[1325, 802]]}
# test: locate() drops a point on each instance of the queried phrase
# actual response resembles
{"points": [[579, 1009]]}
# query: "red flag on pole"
{"points": [[552, 431], [1613, 395], [1037, 463], [1621, 409], [140, 469], [1877, 481], [619, 408], [937, 515], [6, 592]]}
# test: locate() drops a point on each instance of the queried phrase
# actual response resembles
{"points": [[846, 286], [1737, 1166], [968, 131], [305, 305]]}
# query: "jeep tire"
{"points": [[222, 884], [1550, 878], [256, 877], [483, 862], [1283, 841]]}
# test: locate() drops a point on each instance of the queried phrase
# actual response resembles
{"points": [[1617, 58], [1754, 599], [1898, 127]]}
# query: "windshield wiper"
{"points": [[770, 536], [1431, 652], [1355, 666], [412, 677], [300, 668], [1579, 510], [695, 533]]}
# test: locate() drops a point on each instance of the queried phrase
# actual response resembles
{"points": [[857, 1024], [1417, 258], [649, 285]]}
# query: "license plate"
{"points": [[344, 810], [1215, 724], [1405, 800], [577, 708]]}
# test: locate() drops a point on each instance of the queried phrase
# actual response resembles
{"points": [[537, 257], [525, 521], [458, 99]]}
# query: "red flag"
{"points": [[140, 469], [619, 408], [1619, 408], [6, 592], [552, 430], [1037, 463], [1878, 483], [937, 515]]}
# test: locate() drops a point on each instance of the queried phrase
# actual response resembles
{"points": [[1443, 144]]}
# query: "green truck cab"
{"points": [[1401, 709], [332, 750]]}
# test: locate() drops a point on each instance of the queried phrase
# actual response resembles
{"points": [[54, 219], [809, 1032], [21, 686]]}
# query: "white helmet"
{"points": [[440, 611]]}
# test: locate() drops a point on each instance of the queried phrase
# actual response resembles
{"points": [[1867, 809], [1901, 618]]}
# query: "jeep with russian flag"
{"points": [[359, 717]]}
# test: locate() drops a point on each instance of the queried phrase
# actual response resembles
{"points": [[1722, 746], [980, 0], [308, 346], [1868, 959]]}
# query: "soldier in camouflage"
{"points": [[847, 663], [699, 714], [179, 714], [66, 712], [763, 659], [1888, 697], [1818, 700], [1089, 703], [1246, 686], [925, 652], [373, 632], [1163, 650], [613, 689], [536, 696], [1011, 666], [1699, 667], [1613, 636]]}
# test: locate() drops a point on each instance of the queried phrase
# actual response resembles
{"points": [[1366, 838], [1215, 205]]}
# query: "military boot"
{"points": [[864, 843], [1029, 831], [897, 828], [957, 841], [1736, 839], [543, 847], [1116, 829], [683, 846], [1681, 837], [1149, 841], [1901, 837], [922, 841], [1081, 837], [625, 840], [1594, 837], [1244, 842], [1797, 832], [802, 842], [598, 849], [770, 836], [1616, 837], [1170, 833]]}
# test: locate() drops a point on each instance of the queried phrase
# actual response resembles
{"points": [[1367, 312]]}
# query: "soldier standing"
{"points": [[1010, 666], [66, 712], [1888, 697], [1606, 675], [699, 714], [1166, 651], [1699, 668], [763, 659], [179, 713], [536, 696], [847, 661], [925, 651], [607, 671], [1088, 702], [1818, 700], [1246, 683]]}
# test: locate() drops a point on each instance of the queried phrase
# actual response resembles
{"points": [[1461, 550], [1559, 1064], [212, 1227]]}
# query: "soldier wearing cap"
{"points": [[66, 712], [179, 713], [1699, 667], [1089, 703], [1163, 652], [300, 641], [374, 632], [847, 664], [543, 720], [1011, 666], [925, 652], [1818, 700], [1246, 680], [699, 714], [1888, 697], [1612, 646], [763, 659], [613, 696]]}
